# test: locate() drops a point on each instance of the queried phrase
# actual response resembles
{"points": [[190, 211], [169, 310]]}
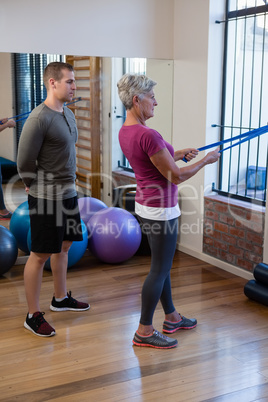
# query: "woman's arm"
{"points": [[5, 123], [166, 165]]}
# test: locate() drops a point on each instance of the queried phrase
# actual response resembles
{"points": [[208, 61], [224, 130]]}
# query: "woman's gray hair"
{"points": [[133, 84]]}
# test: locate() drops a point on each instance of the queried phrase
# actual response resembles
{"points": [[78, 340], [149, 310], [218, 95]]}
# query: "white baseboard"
{"points": [[21, 260], [215, 261]]}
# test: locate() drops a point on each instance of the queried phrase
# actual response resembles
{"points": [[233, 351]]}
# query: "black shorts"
{"points": [[52, 222]]}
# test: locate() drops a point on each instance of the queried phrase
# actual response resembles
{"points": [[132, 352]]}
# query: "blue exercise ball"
{"points": [[8, 250], [114, 235], [20, 224], [77, 249], [88, 206]]}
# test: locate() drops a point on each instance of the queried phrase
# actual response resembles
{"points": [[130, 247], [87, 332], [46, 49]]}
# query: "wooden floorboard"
{"points": [[91, 358]]}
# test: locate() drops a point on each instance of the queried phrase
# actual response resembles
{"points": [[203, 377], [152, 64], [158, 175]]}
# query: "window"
{"points": [[28, 82], [243, 170], [132, 66]]}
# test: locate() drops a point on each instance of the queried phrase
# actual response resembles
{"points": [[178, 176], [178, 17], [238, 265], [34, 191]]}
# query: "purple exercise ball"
{"points": [[114, 235], [88, 206]]}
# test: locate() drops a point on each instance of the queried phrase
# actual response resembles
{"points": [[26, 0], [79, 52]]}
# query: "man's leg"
{"points": [[59, 263], [63, 301], [33, 274]]}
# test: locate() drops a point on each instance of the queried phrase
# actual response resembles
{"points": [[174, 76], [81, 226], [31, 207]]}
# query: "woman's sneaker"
{"points": [[6, 216], [184, 323], [69, 303], [156, 340], [38, 325]]}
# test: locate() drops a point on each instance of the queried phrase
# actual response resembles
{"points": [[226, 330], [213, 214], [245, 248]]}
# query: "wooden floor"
{"points": [[91, 358]]}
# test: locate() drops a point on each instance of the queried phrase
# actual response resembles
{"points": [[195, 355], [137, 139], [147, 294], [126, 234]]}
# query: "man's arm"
{"points": [[30, 144]]}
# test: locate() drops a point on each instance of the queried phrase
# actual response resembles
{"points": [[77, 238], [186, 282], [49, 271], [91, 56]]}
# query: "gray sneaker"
{"points": [[156, 340], [185, 323]]}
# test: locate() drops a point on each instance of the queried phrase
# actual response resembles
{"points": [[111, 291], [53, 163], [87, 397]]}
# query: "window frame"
{"points": [[224, 132], [29, 89]]}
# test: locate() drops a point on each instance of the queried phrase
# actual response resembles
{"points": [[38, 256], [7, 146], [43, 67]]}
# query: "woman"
{"points": [[4, 213], [156, 203]]}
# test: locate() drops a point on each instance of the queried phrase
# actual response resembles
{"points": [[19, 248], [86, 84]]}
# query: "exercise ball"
{"points": [[77, 249], [8, 250], [114, 235], [256, 291], [261, 273], [88, 206], [20, 224]]}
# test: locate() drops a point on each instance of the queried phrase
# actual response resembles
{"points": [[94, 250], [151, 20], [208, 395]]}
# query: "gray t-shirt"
{"points": [[46, 154]]}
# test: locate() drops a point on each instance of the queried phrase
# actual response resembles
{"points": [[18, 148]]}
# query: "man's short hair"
{"points": [[54, 70]]}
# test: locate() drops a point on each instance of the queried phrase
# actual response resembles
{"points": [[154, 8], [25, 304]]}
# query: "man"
{"points": [[46, 164]]}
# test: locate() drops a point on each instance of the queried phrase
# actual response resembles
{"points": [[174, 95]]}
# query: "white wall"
{"points": [[7, 137], [119, 28], [189, 123], [162, 71]]}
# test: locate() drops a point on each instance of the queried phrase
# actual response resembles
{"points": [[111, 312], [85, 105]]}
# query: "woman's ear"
{"points": [[135, 99]]}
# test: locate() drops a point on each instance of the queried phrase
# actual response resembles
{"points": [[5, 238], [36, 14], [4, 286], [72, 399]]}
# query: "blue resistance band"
{"points": [[242, 137], [27, 113]]}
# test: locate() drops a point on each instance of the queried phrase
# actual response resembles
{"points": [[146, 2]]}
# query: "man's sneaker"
{"points": [[38, 325], [184, 323], [69, 303], [156, 340]]}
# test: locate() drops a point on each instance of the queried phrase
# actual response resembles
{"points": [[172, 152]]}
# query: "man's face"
{"points": [[64, 89]]}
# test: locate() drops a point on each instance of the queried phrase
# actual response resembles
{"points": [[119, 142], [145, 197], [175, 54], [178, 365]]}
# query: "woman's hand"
{"points": [[11, 123], [5, 123], [212, 156], [187, 153]]}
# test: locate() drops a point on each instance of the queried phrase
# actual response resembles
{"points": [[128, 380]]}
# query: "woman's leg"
{"points": [[162, 236], [3, 209]]}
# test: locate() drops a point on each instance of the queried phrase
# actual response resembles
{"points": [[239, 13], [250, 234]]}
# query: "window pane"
{"points": [[132, 66], [245, 101], [243, 4]]}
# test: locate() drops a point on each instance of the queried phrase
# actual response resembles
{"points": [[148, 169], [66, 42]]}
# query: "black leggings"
{"points": [[162, 237], [2, 202]]}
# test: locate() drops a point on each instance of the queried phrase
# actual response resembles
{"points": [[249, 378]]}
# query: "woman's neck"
{"points": [[133, 118]]}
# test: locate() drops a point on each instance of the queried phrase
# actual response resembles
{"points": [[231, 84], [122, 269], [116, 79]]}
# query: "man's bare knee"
{"points": [[66, 246], [40, 258]]}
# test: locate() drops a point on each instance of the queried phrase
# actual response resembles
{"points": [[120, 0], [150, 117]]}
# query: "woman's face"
{"points": [[147, 105]]}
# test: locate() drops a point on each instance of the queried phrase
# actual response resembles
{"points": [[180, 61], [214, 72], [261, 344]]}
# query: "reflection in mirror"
{"points": [[99, 114]]}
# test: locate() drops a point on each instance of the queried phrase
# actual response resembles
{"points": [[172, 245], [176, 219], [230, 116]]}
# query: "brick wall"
{"points": [[233, 231]]}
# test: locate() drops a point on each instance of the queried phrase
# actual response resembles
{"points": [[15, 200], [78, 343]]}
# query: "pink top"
{"points": [[138, 144]]}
